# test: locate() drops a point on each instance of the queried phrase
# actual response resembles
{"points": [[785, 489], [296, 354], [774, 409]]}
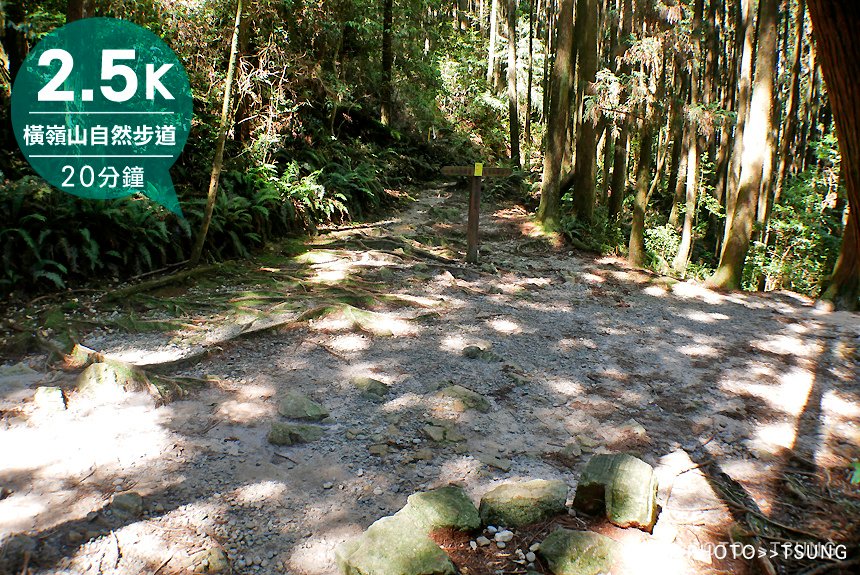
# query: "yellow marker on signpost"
{"points": [[476, 173]]}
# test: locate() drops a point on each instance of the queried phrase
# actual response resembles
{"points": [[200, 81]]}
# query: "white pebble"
{"points": [[534, 546], [328, 485], [482, 541], [360, 472], [501, 544], [491, 530], [504, 536], [473, 545], [530, 557]]}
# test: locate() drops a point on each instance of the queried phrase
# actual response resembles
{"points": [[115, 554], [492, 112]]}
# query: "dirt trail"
{"points": [[747, 405]]}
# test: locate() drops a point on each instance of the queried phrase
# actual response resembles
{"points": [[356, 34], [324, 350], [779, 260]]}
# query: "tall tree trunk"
{"points": [[558, 119], [528, 137], [636, 247], [618, 186], [835, 26], [79, 9], [693, 149], [586, 145], [746, 28], [513, 95], [218, 161], [387, 61], [494, 35], [729, 274]]}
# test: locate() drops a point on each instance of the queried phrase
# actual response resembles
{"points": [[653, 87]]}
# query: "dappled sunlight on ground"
{"points": [[577, 356]]}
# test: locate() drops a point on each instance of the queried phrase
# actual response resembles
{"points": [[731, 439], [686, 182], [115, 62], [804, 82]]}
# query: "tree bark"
{"points": [[636, 247], [494, 35], [746, 28], [528, 135], [618, 185], [218, 161], [513, 95], [729, 273], [586, 146], [558, 119], [835, 24], [79, 9], [387, 61]]}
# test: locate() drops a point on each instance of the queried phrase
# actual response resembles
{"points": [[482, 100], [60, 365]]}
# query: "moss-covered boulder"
{"points": [[393, 546], [521, 503], [371, 389], [465, 398], [401, 545], [294, 405], [291, 434], [570, 552], [444, 507], [623, 486]]}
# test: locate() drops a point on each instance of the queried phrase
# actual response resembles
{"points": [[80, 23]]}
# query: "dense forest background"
{"points": [[694, 137]]}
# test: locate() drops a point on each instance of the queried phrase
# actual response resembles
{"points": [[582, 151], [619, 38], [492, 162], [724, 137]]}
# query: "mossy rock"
{"points": [[291, 433], [443, 507], [370, 388], [570, 552], [393, 546], [401, 545], [109, 382], [294, 405], [621, 485], [522, 503], [466, 397]]}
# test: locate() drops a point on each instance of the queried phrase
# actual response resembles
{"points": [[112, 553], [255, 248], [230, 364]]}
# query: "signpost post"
{"points": [[476, 173]]}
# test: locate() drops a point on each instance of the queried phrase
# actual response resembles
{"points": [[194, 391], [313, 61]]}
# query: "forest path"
{"points": [[745, 404]]}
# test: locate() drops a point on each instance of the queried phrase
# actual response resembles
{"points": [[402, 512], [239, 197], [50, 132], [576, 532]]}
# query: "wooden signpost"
{"points": [[477, 173]]}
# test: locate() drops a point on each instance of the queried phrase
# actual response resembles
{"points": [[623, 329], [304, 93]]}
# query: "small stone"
{"points": [[378, 491], [371, 389], [379, 449], [359, 473], [492, 529], [466, 397], [534, 547], [294, 405], [328, 485], [291, 434], [129, 503], [435, 432], [530, 557], [472, 352], [482, 541], [49, 399], [504, 536], [473, 545], [497, 462], [501, 544]]}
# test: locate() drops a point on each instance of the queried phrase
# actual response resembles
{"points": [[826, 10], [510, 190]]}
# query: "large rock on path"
{"points": [[622, 485], [579, 552], [517, 504], [401, 545]]}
